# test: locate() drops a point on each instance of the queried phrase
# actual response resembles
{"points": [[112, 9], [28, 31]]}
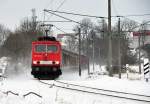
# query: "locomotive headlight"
{"points": [[34, 62], [56, 62]]}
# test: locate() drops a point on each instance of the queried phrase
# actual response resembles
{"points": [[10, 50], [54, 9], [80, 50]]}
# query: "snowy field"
{"points": [[54, 95], [24, 89]]}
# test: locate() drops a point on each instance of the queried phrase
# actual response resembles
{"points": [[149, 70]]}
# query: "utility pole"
{"points": [[87, 52], [119, 50], [103, 36], [79, 32], [141, 37], [93, 35], [109, 39], [139, 41], [103, 22]]}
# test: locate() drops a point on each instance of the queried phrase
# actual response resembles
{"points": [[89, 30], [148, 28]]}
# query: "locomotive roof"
{"points": [[45, 42], [46, 38]]}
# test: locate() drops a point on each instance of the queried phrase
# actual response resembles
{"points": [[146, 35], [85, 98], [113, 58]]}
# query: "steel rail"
{"points": [[102, 94], [102, 89]]}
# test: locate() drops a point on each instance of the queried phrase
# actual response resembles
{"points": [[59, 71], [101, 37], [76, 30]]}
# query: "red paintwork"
{"points": [[45, 56], [145, 33]]}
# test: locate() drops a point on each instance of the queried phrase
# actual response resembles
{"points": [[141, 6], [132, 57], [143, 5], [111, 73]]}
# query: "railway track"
{"points": [[97, 91], [89, 90]]}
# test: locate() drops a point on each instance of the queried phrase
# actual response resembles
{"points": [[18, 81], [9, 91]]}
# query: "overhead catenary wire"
{"points": [[75, 14], [70, 20], [71, 13], [66, 18], [124, 16], [53, 12], [60, 29], [58, 7], [50, 3], [53, 21], [62, 17], [131, 15], [137, 15]]}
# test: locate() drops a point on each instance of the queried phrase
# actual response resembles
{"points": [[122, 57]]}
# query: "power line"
{"points": [[49, 3], [71, 13], [62, 17], [70, 20], [90, 26], [61, 4], [137, 15], [58, 8], [133, 15], [60, 29], [53, 21], [75, 14]]}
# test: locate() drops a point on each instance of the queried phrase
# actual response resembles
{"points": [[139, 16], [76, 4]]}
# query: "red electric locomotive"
{"points": [[46, 57]]}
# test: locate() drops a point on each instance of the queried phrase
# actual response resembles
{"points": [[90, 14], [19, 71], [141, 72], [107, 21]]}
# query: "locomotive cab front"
{"points": [[46, 58]]}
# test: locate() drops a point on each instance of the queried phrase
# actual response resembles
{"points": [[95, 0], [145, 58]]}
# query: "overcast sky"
{"points": [[13, 11]]}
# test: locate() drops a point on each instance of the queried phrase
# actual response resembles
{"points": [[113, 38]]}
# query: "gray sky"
{"points": [[13, 11]]}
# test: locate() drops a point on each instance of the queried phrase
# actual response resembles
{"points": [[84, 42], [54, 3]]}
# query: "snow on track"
{"points": [[117, 94], [24, 89]]}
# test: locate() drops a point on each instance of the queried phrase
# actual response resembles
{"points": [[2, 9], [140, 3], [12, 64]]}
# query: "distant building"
{"points": [[144, 38]]}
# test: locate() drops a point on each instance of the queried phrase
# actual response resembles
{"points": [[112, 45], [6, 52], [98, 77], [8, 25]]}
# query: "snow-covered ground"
{"points": [[3, 65], [56, 95], [23, 84]]}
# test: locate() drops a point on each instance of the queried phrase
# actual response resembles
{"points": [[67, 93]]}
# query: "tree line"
{"points": [[94, 40]]}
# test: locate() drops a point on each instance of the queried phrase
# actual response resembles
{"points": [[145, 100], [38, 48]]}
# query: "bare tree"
{"points": [[18, 44], [126, 56], [86, 27], [4, 33]]}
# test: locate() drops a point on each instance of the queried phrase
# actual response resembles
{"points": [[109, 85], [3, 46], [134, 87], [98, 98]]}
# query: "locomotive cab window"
{"points": [[40, 48], [52, 48], [46, 48]]}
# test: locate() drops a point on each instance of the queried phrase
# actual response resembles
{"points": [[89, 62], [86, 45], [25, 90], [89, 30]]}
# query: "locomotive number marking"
{"points": [[45, 62]]}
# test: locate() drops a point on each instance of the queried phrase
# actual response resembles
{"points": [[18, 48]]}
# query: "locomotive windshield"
{"points": [[40, 48], [46, 48], [51, 48]]}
